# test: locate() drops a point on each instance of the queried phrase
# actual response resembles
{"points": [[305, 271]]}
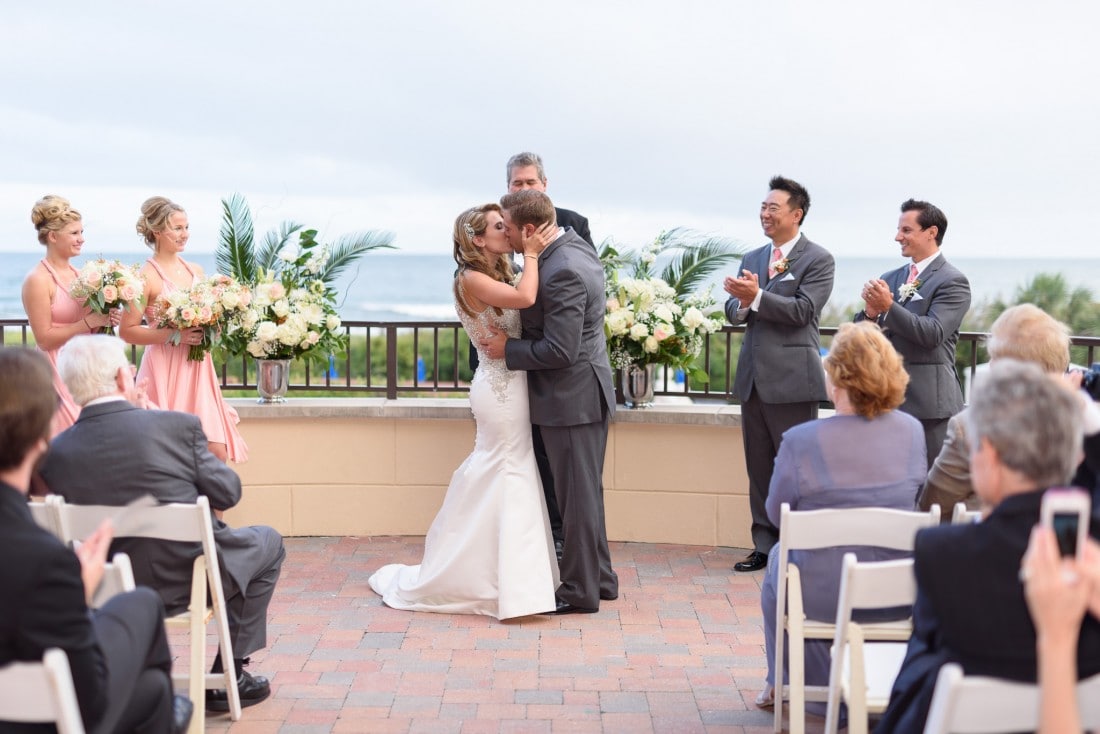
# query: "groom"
{"points": [[570, 391]]}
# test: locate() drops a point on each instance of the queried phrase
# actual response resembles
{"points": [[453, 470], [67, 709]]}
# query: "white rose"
{"points": [[332, 322], [651, 345], [281, 308], [663, 312], [693, 318], [256, 349], [639, 332], [266, 330]]}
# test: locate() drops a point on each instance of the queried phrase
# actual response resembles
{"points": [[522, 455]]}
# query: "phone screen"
{"points": [[1065, 530]]}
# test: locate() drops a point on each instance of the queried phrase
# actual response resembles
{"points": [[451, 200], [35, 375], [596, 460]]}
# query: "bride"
{"points": [[489, 550]]}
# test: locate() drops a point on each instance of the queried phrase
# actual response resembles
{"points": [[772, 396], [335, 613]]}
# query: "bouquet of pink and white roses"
{"points": [[103, 285], [209, 304]]}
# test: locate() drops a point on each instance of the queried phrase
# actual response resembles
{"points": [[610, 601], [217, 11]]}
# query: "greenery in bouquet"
{"points": [[103, 285], [293, 310], [663, 319], [212, 304]]}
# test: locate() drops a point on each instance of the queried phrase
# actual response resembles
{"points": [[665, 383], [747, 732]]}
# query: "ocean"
{"points": [[391, 286]]}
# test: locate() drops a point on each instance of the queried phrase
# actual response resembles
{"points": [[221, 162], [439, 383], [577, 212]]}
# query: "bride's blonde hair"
{"points": [[468, 256]]}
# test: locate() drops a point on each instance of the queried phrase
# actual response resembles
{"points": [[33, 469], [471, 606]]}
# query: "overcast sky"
{"points": [[649, 115]]}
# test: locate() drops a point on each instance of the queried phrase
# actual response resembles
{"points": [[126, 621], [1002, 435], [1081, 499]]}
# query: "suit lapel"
{"points": [[792, 258]]}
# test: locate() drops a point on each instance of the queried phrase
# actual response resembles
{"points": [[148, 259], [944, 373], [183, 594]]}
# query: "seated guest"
{"points": [[867, 455], [1026, 333], [116, 452], [1025, 435], [119, 656]]}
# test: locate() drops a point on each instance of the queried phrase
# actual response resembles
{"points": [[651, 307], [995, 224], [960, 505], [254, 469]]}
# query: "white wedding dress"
{"points": [[489, 549]]}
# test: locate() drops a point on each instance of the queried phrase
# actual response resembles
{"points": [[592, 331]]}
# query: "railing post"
{"points": [[391, 363]]}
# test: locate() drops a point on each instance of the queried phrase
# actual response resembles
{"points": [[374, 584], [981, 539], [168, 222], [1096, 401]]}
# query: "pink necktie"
{"points": [[912, 273], [777, 255]]}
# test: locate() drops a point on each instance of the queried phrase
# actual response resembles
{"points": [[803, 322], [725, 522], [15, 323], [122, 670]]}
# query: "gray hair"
{"points": [[1032, 422], [89, 364], [522, 160]]}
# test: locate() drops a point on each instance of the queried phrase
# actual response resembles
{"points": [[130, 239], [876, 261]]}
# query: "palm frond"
{"points": [[274, 242], [235, 256], [699, 258], [350, 247]]}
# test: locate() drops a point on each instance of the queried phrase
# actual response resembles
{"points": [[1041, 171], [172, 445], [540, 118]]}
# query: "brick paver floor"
{"points": [[681, 650]]}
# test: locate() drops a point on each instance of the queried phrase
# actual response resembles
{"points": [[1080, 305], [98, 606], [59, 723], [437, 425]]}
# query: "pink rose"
{"points": [[127, 293], [187, 315], [110, 294]]}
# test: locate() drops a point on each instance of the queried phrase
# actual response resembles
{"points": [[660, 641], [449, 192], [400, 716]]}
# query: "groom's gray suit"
{"points": [[115, 453], [572, 399]]}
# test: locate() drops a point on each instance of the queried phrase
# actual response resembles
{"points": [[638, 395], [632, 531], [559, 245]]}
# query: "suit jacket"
{"points": [[569, 218], [924, 330], [562, 347], [43, 605], [970, 609], [115, 453], [948, 480], [781, 351]]}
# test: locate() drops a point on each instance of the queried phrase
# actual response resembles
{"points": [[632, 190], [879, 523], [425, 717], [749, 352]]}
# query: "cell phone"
{"points": [[1067, 512]]}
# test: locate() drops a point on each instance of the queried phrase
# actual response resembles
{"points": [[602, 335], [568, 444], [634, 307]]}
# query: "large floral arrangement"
{"points": [[102, 285], [212, 304], [293, 309], [662, 320], [292, 313]]}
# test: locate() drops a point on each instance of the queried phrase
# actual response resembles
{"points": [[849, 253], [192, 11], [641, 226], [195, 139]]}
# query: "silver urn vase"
{"points": [[637, 384], [272, 379]]}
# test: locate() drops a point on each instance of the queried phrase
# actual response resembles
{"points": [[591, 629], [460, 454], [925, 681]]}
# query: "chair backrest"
{"points": [[43, 514], [177, 521], [866, 585], [965, 704], [41, 692], [963, 516], [118, 577]]}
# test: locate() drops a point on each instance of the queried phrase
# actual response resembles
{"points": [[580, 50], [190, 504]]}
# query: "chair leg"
{"points": [[197, 684]]}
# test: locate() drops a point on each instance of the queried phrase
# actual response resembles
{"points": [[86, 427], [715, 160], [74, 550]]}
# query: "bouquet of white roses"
{"points": [[103, 285], [292, 313], [211, 304], [658, 320]]}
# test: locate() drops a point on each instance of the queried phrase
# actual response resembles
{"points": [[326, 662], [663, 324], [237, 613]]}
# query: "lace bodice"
{"points": [[477, 327]]}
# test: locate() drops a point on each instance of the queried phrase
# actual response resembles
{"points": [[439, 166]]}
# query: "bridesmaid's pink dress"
{"points": [[174, 382], [64, 310]]}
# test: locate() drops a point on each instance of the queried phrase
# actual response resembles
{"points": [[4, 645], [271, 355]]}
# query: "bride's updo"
{"points": [[154, 218], [468, 256], [50, 214]]}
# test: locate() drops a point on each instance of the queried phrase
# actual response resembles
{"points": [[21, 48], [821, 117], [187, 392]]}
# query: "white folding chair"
{"points": [[41, 693], [962, 516], [862, 675], [814, 530], [969, 704], [185, 523], [118, 577], [42, 514]]}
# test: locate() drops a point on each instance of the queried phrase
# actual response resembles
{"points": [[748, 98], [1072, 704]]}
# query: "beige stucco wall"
{"points": [[369, 466]]}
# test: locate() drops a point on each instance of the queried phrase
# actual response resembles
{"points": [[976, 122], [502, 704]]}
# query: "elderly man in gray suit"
{"points": [[117, 452], [570, 391], [920, 307], [779, 296]]}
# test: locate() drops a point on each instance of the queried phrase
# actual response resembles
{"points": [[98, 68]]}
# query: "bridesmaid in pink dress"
{"points": [[54, 316], [172, 381]]}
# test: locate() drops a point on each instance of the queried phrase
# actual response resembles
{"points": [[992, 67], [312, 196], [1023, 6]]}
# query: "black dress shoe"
{"points": [[604, 596], [559, 549], [252, 689], [182, 708], [754, 562], [567, 608]]}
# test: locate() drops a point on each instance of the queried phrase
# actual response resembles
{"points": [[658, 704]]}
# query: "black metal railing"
{"points": [[429, 358]]}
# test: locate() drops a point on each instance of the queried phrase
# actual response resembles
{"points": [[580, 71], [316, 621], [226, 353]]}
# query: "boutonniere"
{"points": [[782, 266], [908, 290]]}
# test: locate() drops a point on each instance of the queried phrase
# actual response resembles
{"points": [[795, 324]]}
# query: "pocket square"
{"points": [[917, 297], [788, 276]]}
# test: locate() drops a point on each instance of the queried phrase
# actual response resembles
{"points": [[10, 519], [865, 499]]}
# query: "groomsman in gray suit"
{"points": [[116, 452], [569, 386], [920, 307], [779, 296]]}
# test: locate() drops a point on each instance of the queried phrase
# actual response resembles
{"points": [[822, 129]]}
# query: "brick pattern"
{"points": [[681, 650]]}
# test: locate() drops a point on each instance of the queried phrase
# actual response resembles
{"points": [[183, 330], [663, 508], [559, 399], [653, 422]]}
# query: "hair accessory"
{"points": [[469, 230]]}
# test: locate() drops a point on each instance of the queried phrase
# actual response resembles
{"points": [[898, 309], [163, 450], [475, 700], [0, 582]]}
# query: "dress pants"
{"points": [[576, 457], [762, 428], [246, 609], [130, 631], [547, 477], [935, 432]]}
